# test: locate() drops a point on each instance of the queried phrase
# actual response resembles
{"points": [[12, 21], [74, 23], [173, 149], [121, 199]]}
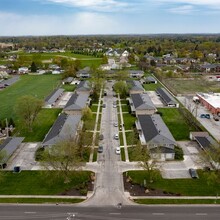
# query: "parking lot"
{"points": [[63, 99], [155, 99], [197, 110]]}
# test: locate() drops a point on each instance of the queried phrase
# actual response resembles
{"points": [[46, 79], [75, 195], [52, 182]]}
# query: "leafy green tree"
{"points": [[121, 88], [64, 157], [122, 75], [33, 67], [86, 114], [27, 108]]}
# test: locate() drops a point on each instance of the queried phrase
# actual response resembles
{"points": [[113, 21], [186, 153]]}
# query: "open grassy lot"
{"points": [[152, 86], [189, 86], [95, 62], [42, 125], [176, 123], [126, 108], [69, 88], [40, 183], [132, 156], [184, 187], [38, 86], [131, 138], [129, 121]]}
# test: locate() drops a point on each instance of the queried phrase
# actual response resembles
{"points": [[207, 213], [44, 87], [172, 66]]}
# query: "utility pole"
{"points": [[7, 134]]}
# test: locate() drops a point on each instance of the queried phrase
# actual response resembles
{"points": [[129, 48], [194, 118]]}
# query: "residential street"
{"points": [[109, 188]]}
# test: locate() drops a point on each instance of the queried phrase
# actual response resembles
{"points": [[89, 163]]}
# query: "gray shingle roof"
{"points": [[135, 85], [77, 102], [64, 127], [155, 131], [142, 102], [206, 142], [54, 96], [83, 86], [150, 79], [10, 145], [166, 96]]}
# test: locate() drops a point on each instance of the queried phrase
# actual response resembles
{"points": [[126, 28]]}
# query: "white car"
{"points": [[118, 150], [116, 137]]}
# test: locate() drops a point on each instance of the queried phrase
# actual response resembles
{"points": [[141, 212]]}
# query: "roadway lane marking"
{"points": [[201, 213], [115, 213], [158, 213], [29, 212]]}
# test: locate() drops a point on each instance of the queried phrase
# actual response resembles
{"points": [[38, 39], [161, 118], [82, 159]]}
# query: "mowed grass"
{"points": [[38, 86], [129, 121], [42, 125], [95, 62], [183, 187], [40, 182], [176, 123]]}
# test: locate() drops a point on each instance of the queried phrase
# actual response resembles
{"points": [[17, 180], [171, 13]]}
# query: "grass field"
{"points": [[129, 121], [38, 86], [184, 187], [180, 86], [92, 62], [69, 88], [42, 125], [152, 86], [176, 123], [38, 183]]}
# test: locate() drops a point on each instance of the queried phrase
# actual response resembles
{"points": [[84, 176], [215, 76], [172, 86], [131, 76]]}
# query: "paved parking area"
{"points": [[64, 99], [210, 124], [179, 169], [24, 157], [155, 99]]}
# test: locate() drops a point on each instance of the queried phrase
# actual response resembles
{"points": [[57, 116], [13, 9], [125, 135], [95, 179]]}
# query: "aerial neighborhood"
{"points": [[138, 109]]}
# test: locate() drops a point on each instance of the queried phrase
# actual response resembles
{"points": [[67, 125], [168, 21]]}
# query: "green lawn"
{"points": [[93, 62], [126, 108], [131, 139], [122, 154], [176, 123], [132, 156], [42, 125], [94, 108], [40, 200], [151, 86], [94, 159], [184, 187], [38, 183], [129, 121], [90, 124], [69, 88], [39, 86]]}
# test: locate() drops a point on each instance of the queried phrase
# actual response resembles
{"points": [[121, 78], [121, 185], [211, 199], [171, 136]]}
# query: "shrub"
{"points": [[178, 153]]}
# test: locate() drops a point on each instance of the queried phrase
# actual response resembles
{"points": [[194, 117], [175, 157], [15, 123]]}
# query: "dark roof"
{"points": [[155, 130], [83, 86], [205, 142], [142, 101], [77, 102], [166, 96], [64, 127], [165, 150], [150, 79], [10, 81], [10, 145], [54, 96]]}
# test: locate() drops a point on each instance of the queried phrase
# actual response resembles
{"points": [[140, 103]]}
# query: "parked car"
{"points": [[116, 124], [193, 173], [101, 137], [100, 149], [103, 105], [116, 137], [118, 150], [202, 116], [207, 116]]}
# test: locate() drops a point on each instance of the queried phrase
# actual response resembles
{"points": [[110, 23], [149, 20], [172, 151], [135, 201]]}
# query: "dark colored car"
{"points": [[104, 105], [202, 116], [193, 173], [216, 117], [207, 116], [101, 137], [100, 149]]}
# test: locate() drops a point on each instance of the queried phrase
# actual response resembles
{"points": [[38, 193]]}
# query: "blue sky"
{"points": [[72, 17]]}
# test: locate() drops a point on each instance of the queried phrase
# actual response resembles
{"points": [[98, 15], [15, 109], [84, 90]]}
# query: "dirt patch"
{"points": [[138, 190]]}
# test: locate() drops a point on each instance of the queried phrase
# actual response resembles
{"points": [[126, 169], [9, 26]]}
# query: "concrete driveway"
{"points": [[179, 169], [155, 99]]}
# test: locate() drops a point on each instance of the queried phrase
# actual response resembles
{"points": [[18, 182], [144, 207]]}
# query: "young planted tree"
{"points": [[64, 157], [27, 108]]}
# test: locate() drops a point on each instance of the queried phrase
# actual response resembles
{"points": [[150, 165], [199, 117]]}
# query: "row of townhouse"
{"points": [[153, 132], [69, 121]]}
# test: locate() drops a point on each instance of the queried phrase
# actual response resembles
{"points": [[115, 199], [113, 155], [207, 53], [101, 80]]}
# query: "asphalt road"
{"points": [[109, 188], [52, 212]]}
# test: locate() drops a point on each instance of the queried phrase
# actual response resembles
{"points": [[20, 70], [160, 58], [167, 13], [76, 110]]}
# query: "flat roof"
{"points": [[212, 99]]}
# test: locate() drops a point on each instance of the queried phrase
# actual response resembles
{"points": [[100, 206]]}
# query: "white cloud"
{"points": [[96, 5], [209, 3], [185, 9]]}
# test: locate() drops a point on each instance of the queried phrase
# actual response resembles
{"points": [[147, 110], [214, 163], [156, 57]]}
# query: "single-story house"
{"points": [[156, 136], [83, 73], [141, 104], [76, 104], [53, 97], [68, 80], [84, 87], [149, 80], [9, 146], [64, 128], [136, 73], [167, 98], [135, 87]]}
